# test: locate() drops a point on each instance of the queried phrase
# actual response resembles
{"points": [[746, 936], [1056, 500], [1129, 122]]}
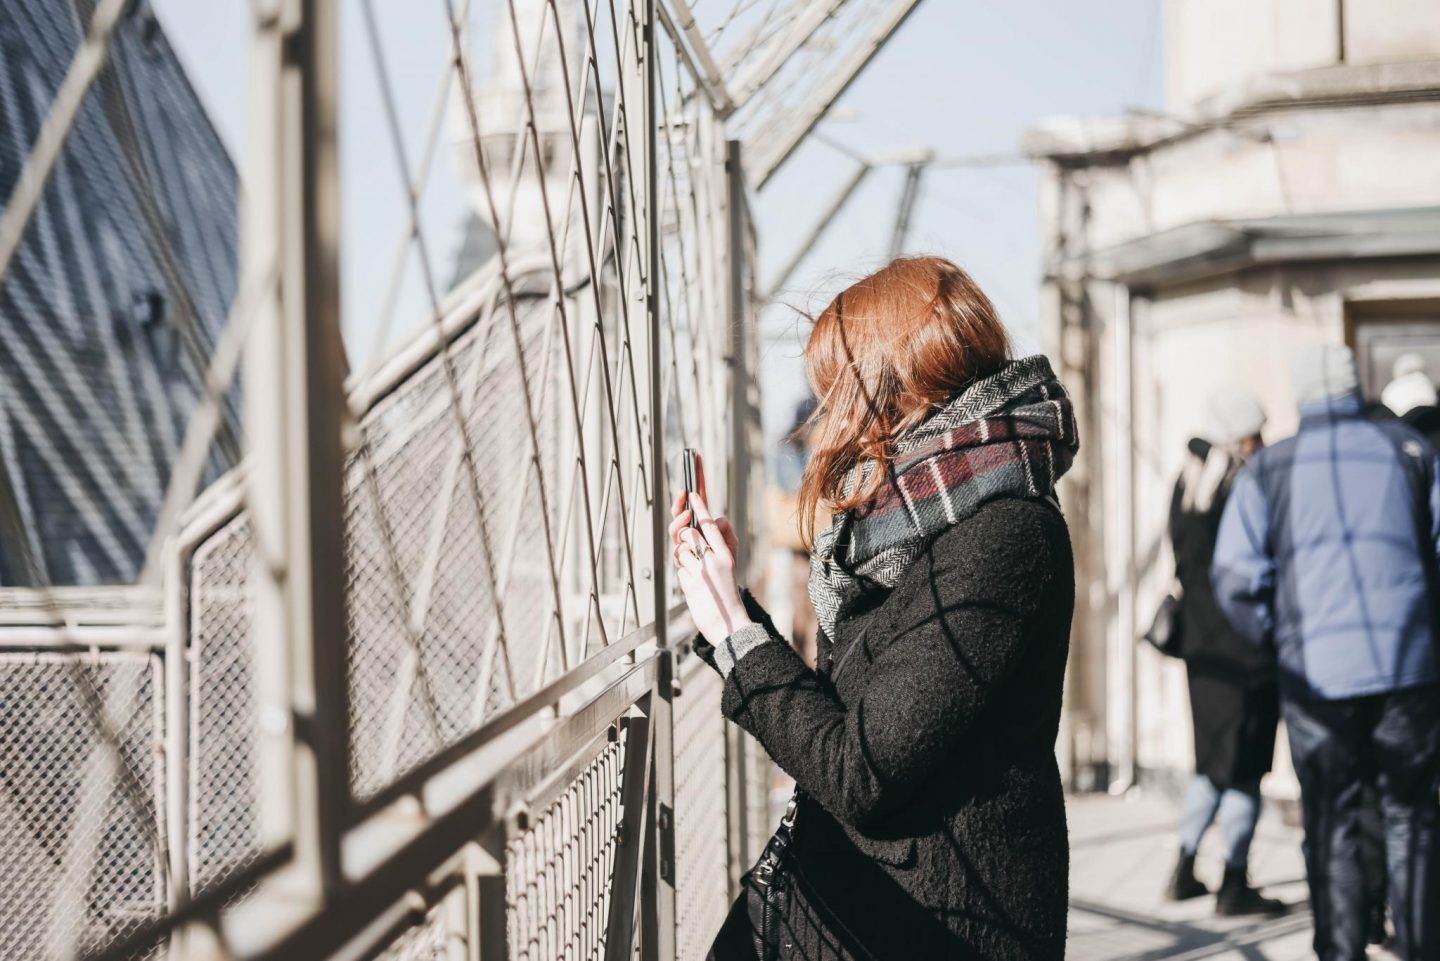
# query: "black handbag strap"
{"points": [[773, 857]]}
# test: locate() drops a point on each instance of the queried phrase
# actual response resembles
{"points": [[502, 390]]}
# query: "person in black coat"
{"points": [[1234, 701], [929, 820]]}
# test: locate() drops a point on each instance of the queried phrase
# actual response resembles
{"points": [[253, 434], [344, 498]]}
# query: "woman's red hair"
{"points": [[882, 357]]}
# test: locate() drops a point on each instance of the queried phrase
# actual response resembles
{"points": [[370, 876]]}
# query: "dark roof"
{"points": [[113, 302]]}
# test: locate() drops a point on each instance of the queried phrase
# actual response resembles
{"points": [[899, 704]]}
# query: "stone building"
{"points": [[1289, 192]]}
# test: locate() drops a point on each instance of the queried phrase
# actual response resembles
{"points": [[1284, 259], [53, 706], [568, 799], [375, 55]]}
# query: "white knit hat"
{"points": [[1232, 415], [1322, 372], [1408, 391], [1407, 363]]}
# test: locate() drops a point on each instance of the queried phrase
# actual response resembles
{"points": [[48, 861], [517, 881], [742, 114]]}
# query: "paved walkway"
{"points": [[1121, 855]]}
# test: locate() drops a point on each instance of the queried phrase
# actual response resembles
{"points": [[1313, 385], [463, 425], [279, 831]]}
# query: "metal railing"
{"points": [[411, 682]]}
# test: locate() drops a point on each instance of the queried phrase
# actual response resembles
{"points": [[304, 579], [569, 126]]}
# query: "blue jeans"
{"points": [[1239, 810]]}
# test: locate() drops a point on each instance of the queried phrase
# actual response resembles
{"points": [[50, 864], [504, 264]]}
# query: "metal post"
{"points": [[1122, 691], [737, 787], [294, 403], [842, 197], [177, 732], [909, 196], [658, 882], [625, 881], [739, 486], [488, 898]]}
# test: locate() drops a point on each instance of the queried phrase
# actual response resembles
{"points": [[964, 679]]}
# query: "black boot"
{"points": [[1183, 883], [1238, 897], [1375, 930]]}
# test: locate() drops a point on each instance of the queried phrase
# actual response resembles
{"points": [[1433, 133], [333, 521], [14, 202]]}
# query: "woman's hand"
{"points": [[705, 568]]}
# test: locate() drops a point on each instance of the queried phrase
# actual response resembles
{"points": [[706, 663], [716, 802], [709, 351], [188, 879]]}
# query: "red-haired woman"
{"points": [[928, 820]]}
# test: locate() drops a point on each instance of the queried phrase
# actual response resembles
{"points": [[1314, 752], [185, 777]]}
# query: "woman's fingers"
{"points": [[688, 557], [713, 535], [680, 522], [677, 505], [694, 541], [728, 532]]}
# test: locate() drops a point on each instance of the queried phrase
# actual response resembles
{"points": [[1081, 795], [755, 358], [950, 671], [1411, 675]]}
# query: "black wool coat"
{"points": [[1234, 700], [934, 825]]}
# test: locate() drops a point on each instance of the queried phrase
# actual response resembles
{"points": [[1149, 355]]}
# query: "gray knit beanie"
{"points": [[1322, 372]]}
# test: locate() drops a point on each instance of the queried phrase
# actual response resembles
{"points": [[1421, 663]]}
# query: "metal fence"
{"points": [[412, 681]]}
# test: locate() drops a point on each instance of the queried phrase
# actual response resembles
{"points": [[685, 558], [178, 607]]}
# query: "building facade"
{"points": [[110, 310], [1288, 193]]}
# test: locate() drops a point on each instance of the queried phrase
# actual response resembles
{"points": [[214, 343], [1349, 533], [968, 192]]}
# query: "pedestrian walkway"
{"points": [[1121, 855]]}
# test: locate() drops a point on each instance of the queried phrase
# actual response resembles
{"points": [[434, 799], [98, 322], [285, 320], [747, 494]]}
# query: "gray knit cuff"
{"points": [[729, 651]]}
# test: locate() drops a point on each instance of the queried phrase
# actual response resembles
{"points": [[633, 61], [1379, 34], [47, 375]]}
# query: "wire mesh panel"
{"points": [[223, 835], [429, 504], [558, 872], [80, 825], [702, 877]]}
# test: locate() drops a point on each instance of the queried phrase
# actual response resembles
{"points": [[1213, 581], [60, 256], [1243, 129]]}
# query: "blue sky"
{"points": [[961, 77]]}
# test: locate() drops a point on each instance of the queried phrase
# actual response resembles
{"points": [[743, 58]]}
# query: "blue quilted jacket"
{"points": [[1328, 548]]}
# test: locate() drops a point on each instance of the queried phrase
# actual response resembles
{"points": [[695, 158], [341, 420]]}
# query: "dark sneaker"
{"points": [[1183, 883], [1237, 897]]}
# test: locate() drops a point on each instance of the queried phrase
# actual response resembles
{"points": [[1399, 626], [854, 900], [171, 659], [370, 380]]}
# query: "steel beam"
{"points": [[686, 35], [804, 120], [739, 461], [295, 402], [909, 195], [838, 204], [801, 31], [40, 163]]}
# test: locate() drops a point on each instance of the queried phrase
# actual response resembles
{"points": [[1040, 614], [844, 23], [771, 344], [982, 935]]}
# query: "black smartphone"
{"points": [[693, 479]]}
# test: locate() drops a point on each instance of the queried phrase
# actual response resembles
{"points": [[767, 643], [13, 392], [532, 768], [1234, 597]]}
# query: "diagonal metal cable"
{"points": [[509, 554], [557, 297], [204, 422], [413, 633], [50, 142], [592, 554], [502, 253], [193, 336]]}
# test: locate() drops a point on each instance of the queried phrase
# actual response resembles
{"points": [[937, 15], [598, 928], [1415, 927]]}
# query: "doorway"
{"points": [[1382, 333]]}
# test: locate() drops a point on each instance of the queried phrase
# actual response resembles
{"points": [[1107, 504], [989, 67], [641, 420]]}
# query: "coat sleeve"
{"points": [[968, 607], [1243, 570], [706, 651], [1434, 504]]}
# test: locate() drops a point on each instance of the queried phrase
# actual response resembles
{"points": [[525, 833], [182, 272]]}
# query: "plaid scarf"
{"points": [[1009, 435]]}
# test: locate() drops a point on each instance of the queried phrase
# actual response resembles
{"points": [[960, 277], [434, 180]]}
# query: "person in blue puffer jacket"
{"points": [[1328, 550]]}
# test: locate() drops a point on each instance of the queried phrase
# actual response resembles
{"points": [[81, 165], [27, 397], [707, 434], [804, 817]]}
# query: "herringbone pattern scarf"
{"points": [[1009, 435]]}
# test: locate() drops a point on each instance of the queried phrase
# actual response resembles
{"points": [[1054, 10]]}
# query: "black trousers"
{"points": [[1388, 743]]}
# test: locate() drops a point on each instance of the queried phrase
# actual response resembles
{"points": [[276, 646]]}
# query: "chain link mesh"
{"points": [[415, 688], [80, 863], [558, 872], [702, 877], [224, 834]]}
